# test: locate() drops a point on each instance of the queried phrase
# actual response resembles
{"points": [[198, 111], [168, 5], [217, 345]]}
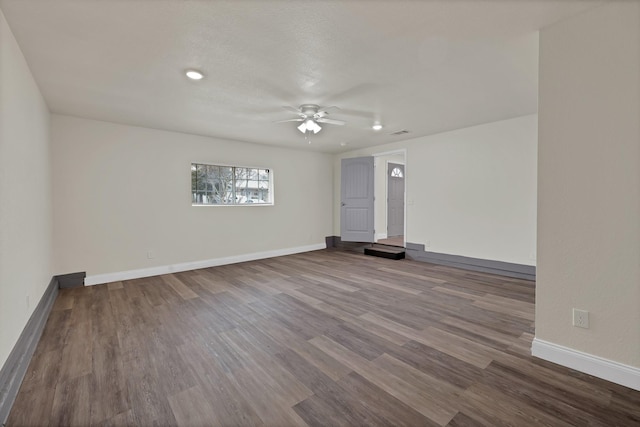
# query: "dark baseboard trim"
{"points": [[71, 280], [336, 242], [331, 241], [520, 271], [383, 252], [15, 368]]}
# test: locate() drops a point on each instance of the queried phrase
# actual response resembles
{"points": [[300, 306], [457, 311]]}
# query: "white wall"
{"points": [[589, 182], [121, 191], [25, 193], [470, 192]]}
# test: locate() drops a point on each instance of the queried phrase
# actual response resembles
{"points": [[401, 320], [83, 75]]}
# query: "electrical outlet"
{"points": [[581, 318], [151, 255]]}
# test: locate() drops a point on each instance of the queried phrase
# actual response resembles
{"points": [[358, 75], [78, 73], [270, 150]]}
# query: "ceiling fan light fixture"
{"points": [[194, 74], [309, 125], [311, 115]]}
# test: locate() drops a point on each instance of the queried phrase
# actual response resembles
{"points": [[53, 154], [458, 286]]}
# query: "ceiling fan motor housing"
{"points": [[309, 110]]}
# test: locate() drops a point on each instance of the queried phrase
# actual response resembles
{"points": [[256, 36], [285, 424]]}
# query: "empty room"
{"points": [[319, 213]]}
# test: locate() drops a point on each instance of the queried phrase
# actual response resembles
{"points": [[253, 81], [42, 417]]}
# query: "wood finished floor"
{"points": [[322, 338], [393, 241]]}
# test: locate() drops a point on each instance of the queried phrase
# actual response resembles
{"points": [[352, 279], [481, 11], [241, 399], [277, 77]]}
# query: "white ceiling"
{"points": [[424, 66]]}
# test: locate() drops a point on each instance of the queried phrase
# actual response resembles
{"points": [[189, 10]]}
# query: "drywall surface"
{"points": [[25, 193], [122, 192], [589, 182], [470, 192]]}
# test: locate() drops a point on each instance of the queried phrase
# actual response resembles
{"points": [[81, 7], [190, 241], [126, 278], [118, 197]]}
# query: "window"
{"points": [[396, 173], [230, 185]]}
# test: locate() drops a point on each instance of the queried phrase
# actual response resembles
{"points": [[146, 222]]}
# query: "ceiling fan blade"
{"points": [[290, 120], [357, 113], [331, 121], [325, 110], [330, 108], [293, 110]]}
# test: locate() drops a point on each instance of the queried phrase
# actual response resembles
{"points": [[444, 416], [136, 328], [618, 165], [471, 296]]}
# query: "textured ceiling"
{"points": [[425, 66]]}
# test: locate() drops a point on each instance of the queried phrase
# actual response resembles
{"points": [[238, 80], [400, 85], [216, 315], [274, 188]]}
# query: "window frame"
{"points": [[270, 187]]}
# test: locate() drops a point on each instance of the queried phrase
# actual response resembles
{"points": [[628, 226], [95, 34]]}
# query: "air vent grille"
{"points": [[399, 132]]}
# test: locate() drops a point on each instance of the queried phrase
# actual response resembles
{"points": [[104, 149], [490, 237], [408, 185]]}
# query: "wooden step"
{"points": [[384, 251]]}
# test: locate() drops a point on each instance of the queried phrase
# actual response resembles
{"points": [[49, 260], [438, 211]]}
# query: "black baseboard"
{"points": [[520, 271], [416, 252], [15, 368], [71, 280], [395, 254], [330, 241], [336, 242]]}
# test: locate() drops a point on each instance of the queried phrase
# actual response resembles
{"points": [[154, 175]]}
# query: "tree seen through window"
{"points": [[229, 185]]}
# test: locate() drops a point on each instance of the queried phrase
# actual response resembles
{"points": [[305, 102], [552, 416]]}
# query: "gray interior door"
{"points": [[356, 211], [395, 200]]}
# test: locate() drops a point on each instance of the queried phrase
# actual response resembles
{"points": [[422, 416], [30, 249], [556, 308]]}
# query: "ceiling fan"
{"points": [[310, 116]]}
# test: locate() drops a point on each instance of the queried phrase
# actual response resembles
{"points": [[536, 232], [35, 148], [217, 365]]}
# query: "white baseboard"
{"points": [[99, 279], [628, 376]]}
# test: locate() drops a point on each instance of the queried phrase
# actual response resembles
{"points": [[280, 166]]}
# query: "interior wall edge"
{"points": [[416, 252], [619, 373], [117, 276], [15, 368]]}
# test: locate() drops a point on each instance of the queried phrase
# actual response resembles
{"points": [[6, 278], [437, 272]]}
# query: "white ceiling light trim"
{"points": [[194, 74], [376, 126]]}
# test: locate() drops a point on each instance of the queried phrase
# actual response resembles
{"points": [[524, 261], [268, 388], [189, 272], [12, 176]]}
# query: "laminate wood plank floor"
{"points": [[324, 338], [392, 241]]}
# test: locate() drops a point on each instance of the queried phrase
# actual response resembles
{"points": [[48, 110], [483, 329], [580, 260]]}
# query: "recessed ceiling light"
{"points": [[194, 74], [376, 126], [343, 144]]}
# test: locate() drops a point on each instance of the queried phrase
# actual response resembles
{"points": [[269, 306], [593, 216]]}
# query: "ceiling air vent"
{"points": [[399, 132]]}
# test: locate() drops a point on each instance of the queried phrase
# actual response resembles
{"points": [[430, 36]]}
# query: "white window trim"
{"points": [[271, 185]]}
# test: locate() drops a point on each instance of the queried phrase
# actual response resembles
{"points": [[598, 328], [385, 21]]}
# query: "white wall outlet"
{"points": [[581, 318], [151, 255], [427, 244]]}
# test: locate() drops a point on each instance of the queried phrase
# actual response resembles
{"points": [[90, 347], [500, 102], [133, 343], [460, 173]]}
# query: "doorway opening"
{"points": [[390, 181]]}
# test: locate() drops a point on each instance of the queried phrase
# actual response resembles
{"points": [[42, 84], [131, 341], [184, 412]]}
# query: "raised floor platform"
{"points": [[385, 251]]}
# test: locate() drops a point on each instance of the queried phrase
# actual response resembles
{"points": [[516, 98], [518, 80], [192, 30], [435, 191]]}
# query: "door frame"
{"points": [[402, 151], [386, 187]]}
